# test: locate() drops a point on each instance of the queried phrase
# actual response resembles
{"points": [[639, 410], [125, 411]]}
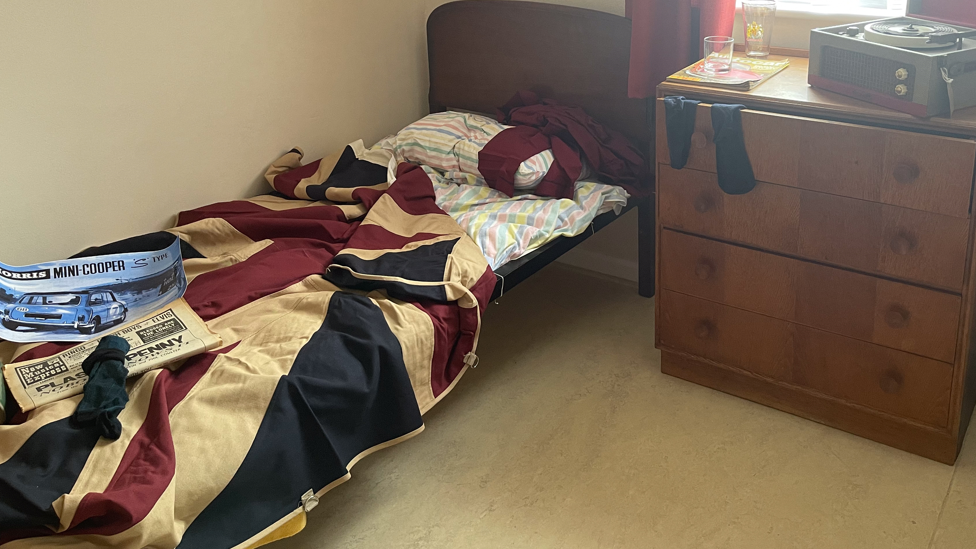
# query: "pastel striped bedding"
{"points": [[450, 141], [445, 145], [507, 228]]}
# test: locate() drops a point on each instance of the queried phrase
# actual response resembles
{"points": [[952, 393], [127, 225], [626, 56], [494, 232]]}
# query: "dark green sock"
{"points": [[105, 395]]}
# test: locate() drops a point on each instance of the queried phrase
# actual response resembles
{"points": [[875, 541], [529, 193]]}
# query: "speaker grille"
{"points": [[867, 71]]}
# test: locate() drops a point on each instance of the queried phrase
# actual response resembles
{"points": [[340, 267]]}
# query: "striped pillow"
{"points": [[451, 141]]}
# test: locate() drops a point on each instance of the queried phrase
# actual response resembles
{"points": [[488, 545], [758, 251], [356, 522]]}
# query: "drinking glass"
{"points": [[757, 24], [718, 54]]}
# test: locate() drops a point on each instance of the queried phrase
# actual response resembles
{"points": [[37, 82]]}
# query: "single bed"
{"points": [[576, 56], [347, 309]]}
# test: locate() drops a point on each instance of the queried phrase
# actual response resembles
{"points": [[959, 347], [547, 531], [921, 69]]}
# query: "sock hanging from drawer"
{"points": [[735, 175], [679, 118]]}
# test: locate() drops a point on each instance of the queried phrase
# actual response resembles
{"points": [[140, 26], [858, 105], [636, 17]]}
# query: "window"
{"points": [[51, 299], [882, 8]]}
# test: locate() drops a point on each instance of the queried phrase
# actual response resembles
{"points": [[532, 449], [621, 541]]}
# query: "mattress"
{"points": [[447, 146], [507, 228]]}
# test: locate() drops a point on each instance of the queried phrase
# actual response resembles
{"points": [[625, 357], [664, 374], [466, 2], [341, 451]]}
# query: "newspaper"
{"points": [[3, 399], [79, 299], [168, 335]]}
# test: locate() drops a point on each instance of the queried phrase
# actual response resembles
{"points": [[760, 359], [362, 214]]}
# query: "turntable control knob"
{"points": [[852, 31], [901, 89]]}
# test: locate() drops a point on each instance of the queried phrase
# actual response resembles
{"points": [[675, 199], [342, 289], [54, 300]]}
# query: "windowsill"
{"points": [[828, 13], [792, 29], [864, 14]]}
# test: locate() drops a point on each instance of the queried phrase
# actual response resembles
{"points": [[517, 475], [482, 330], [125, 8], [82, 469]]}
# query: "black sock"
{"points": [[679, 117], [735, 175]]}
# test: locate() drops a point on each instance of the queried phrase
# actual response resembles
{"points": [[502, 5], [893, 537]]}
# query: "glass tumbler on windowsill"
{"points": [[757, 24]]}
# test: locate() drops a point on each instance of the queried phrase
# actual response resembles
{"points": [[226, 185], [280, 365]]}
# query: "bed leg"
{"points": [[646, 243]]}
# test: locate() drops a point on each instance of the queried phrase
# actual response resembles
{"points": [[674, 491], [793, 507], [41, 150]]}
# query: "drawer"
{"points": [[890, 381], [913, 245], [912, 170], [892, 314]]}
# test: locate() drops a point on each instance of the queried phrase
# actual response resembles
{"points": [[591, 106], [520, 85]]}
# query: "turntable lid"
{"points": [[957, 12]]}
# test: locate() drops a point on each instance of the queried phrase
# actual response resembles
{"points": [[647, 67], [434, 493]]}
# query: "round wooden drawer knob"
{"points": [[704, 203], [704, 269], [891, 382], [699, 140], [897, 317], [903, 244], [704, 329], [906, 172]]}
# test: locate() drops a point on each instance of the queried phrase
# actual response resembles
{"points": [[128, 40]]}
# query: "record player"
{"points": [[920, 64]]}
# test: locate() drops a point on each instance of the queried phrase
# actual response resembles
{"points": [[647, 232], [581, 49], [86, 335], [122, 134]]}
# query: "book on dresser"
{"points": [[841, 288]]}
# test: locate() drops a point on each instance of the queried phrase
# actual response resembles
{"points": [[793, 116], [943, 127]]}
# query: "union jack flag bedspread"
{"points": [[348, 306]]}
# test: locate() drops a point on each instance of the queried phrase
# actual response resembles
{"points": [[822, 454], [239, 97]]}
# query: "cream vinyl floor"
{"points": [[568, 436]]}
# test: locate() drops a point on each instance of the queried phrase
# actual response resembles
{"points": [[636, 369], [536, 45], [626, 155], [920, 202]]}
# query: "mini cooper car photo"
{"points": [[86, 311]]}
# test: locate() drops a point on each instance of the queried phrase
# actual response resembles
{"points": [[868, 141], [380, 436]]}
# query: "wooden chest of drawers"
{"points": [[840, 288]]}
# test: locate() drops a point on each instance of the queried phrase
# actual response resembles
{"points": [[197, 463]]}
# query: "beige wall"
{"points": [[116, 114]]}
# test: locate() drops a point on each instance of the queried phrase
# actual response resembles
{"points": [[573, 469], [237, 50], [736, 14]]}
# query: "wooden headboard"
{"points": [[483, 51]]}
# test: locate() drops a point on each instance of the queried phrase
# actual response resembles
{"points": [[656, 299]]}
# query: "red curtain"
{"points": [[667, 35], [959, 12]]}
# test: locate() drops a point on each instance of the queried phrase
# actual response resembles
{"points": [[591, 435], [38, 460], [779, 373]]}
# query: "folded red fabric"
{"points": [[573, 136], [501, 157]]}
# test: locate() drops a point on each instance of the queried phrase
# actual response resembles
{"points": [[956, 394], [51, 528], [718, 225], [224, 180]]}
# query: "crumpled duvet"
{"points": [[348, 306]]}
